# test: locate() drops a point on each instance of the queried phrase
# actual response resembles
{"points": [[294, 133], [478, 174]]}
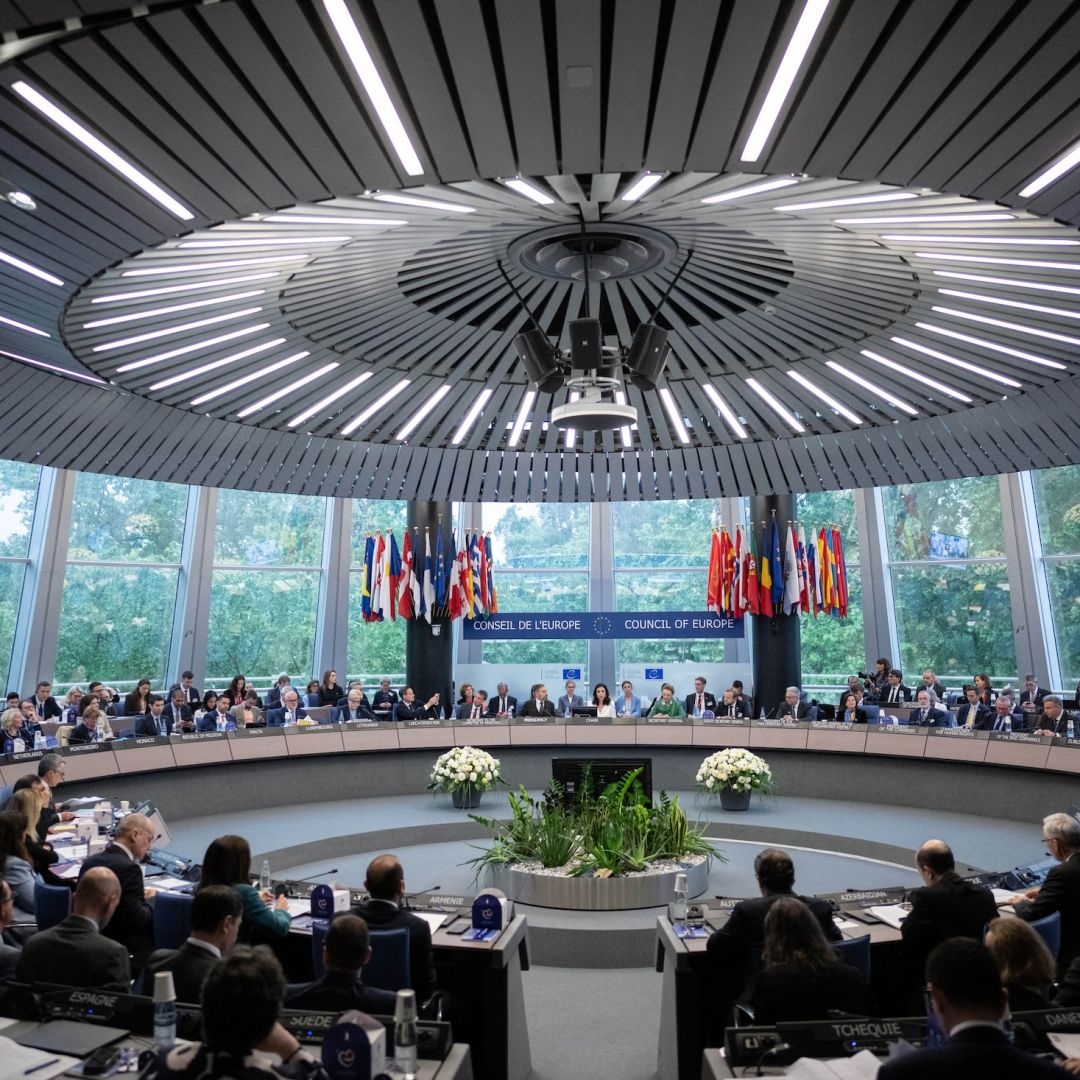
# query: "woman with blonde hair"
{"points": [[1025, 962], [27, 804], [12, 731], [103, 724]]}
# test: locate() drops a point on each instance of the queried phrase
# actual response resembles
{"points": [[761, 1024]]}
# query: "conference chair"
{"points": [[856, 953], [52, 903], [318, 940], [172, 920], [118, 707], [311, 701], [873, 713], [5, 794], [388, 968], [1049, 929]]}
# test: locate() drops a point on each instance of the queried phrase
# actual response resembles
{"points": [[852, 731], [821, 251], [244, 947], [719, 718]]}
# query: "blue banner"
{"points": [[532, 626]]}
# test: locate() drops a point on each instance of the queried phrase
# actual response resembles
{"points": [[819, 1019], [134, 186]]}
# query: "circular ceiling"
{"points": [[233, 247]]}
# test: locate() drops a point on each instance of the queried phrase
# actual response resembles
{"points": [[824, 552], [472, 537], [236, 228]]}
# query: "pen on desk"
{"points": [[43, 1065]]}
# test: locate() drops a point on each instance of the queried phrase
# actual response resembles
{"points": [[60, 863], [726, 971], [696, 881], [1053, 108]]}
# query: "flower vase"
{"points": [[466, 798], [735, 800]]}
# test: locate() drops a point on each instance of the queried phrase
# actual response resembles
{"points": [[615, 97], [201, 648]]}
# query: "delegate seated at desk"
{"points": [[290, 712], [793, 706], [385, 700], [731, 705], [409, 709], [356, 707], [219, 718], [538, 703], [666, 704], [154, 721], [628, 703], [699, 702], [570, 700], [1053, 719], [503, 703], [927, 713], [974, 714]]}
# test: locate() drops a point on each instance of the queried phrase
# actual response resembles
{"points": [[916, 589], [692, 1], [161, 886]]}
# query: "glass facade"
{"points": [[18, 498], [1057, 512]]}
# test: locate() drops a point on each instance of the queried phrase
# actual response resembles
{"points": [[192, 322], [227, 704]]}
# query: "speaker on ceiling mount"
{"points": [[647, 355], [540, 360]]}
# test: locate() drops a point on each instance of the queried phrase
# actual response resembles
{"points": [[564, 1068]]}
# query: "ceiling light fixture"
{"points": [[641, 186], [198, 346], [678, 422], [527, 402], [773, 402], [910, 373], [983, 299], [927, 219], [725, 411], [318, 373], [523, 187], [189, 306], [250, 378], [263, 241], [375, 406], [821, 395], [326, 402], [571, 433], [849, 200], [1066, 163], [183, 328], [52, 367], [193, 268], [895, 402], [214, 365], [21, 200], [475, 410], [624, 432], [338, 221], [992, 260], [104, 153], [357, 51], [422, 412], [751, 189], [1018, 327], [945, 358], [982, 343], [812, 13], [22, 326], [29, 268], [957, 238], [427, 204], [1015, 283], [171, 290]]}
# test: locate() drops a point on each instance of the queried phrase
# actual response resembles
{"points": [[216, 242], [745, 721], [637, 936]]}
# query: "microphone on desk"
{"points": [[406, 897], [281, 888]]}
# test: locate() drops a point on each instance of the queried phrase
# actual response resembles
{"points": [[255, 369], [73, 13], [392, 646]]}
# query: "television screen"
{"points": [[568, 772]]}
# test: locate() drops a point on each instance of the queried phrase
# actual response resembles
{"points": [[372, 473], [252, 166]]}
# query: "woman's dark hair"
{"points": [[607, 694], [847, 698], [466, 686], [207, 703], [326, 678], [884, 663], [985, 678], [12, 836], [312, 687], [227, 862], [241, 1000], [236, 688], [794, 936]]}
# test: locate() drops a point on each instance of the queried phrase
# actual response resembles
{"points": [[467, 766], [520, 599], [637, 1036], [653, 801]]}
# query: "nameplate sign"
{"points": [[860, 896], [722, 721], [544, 625], [1021, 737], [140, 741], [362, 725], [956, 733], [25, 755], [680, 721], [436, 901], [781, 722], [482, 721], [589, 721], [532, 721], [251, 733], [896, 729], [314, 729], [200, 736], [835, 725], [84, 748], [1064, 740], [426, 722]]}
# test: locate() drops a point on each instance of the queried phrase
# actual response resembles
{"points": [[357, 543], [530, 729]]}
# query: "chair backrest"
{"points": [[812, 712], [311, 701], [318, 940], [388, 968], [118, 707], [873, 713], [172, 920], [52, 904], [5, 794], [856, 952], [1049, 929]]}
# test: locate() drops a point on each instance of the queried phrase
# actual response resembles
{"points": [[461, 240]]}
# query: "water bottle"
{"points": [[762, 712], [39, 740], [1070, 728], [510, 712], [678, 907], [264, 877], [164, 1010], [405, 1033], [1008, 724]]}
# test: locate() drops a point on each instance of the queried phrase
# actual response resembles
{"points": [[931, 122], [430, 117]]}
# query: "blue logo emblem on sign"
{"points": [[571, 673], [654, 674]]}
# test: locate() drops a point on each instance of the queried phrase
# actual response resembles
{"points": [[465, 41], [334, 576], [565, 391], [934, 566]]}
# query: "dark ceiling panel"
{"points": [[580, 74]]}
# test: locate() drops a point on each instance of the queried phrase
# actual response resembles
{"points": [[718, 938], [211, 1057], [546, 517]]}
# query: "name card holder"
{"points": [[483, 731], [779, 734], [88, 761], [369, 735], [303, 740], [721, 731], [1023, 749], [898, 740], [665, 731], [956, 744], [429, 731], [537, 731], [600, 730], [144, 753], [1064, 754], [201, 747], [836, 737], [247, 744]]}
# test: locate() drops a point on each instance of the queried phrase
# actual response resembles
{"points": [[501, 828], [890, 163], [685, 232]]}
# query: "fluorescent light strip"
{"points": [[357, 51], [194, 373], [571, 433], [263, 241], [979, 260], [975, 369], [105, 153], [981, 298], [1015, 283], [191, 268], [678, 423], [829, 400], [337, 222], [1018, 327], [523, 414], [523, 187], [955, 238], [917, 376], [29, 268], [624, 432], [286, 390], [770, 399], [51, 367], [198, 346], [327, 401], [169, 290], [982, 343], [374, 407], [427, 204], [470, 417], [751, 189], [914, 219], [794, 55], [190, 306], [1067, 162], [22, 326], [903, 406], [641, 186], [169, 331], [252, 377], [725, 410], [423, 411], [851, 200]]}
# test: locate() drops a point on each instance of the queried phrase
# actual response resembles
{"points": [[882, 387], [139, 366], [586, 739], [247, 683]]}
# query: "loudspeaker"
{"points": [[586, 341], [647, 355], [538, 357]]}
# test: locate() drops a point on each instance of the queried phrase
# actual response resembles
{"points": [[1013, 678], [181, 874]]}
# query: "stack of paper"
{"points": [[18, 1061], [891, 914]]}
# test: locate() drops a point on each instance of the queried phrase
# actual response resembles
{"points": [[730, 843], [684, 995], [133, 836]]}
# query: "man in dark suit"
{"points": [[793, 705], [1061, 889], [50, 770], [290, 712], [45, 705], [947, 907], [133, 924], [156, 721], [730, 705], [927, 713], [894, 692], [216, 914], [74, 952], [930, 681], [503, 702], [700, 701], [346, 950], [973, 713], [1053, 718], [385, 883], [408, 708], [538, 703], [1005, 715], [179, 713], [192, 697], [1032, 696], [970, 1003]]}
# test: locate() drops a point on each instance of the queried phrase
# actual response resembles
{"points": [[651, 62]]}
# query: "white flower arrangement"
{"points": [[734, 769], [465, 767]]}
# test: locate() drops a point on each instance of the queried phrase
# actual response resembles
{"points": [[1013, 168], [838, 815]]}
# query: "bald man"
{"points": [[133, 923], [385, 883], [948, 907], [75, 952]]}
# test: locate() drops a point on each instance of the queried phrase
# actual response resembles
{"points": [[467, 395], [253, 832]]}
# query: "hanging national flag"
{"points": [[474, 572], [804, 573], [776, 570], [738, 596], [812, 574], [712, 580], [822, 572], [369, 570], [415, 574], [427, 589], [765, 571], [727, 573], [439, 572], [453, 589], [751, 587], [826, 573], [834, 605], [404, 587], [467, 584], [377, 594], [394, 576], [461, 577], [791, 572], [841, 574], [493, 596], [481, 549]]}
